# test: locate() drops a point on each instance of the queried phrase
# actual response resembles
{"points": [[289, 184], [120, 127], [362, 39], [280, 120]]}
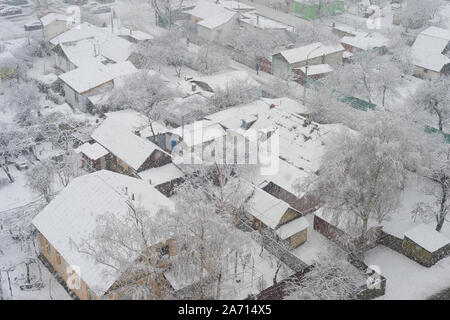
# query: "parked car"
{"points": [[33, 26], [99, 10], [10, 11]]}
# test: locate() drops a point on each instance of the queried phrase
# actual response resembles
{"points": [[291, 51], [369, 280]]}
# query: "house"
{"points": [[133, 36], [211, 19], [428, 53], [81, 83], [315, 53], [223, 80], [130, 153], [253, 19], [315, 72], [164, 178], [276, 215], [72, 217], [342, 30], [89, 45], [93, 156], [54, 24], [362, 41]]}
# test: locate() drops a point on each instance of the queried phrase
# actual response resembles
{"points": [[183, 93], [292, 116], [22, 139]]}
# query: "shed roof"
{"points": [[93, 151], [314, 50], [427, 237]]}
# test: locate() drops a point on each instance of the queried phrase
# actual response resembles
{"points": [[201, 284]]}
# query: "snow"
{"points": [[212, 15], [236, 5], [262, 22], [93, 151], [159, 175], [123, 143], [292, 227], [317, 69], [138, 35], [88, 77], [407, 279], [366, 41], [266, 208], [310, 51], [72, 217], [427, 50], [83, 31], [221, 81], [130, 118], [52, 17], [427, 237], [199, 132]]}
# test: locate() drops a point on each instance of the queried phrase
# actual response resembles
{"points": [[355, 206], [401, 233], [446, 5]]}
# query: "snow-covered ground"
{"points": [[407, 279]]}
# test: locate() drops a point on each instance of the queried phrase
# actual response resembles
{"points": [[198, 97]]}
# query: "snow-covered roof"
{"points": [[93, 151], [83, 31], [314, 50], [199, 132], [262, 22], [123, 143], [287, 230], [130, 118], [236, 5], [317, 69], [220, 81], [52, 17], [211, 15], [266, 208], [427, 50], [72, 216], [346, 29], [88, 77], [427, 237], [138, 35], [159, 175], [366, 41]]}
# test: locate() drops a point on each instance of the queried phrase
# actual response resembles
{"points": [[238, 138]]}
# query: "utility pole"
{"points": [[306, 73]]}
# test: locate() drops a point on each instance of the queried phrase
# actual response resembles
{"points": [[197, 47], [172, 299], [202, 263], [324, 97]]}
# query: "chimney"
{"points": [[257, 20], [132, 196], [272, 106]]}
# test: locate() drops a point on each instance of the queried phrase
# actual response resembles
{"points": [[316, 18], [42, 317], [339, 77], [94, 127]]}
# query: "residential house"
{"points": [[72, 217], [429, 53], [285, 222], [316, 72], [130, 153], [93, 156], [211, 19], [286, 61], [54, 24], [81, 83], [223, 80], [364, 41]]}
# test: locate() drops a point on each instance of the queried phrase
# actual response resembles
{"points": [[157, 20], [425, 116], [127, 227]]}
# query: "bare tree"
{"points": [[40, 179]]}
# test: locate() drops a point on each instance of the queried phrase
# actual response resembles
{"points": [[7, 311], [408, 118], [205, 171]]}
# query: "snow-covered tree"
{"points": [[68, 168], [434, 97], [24, 101], [169, 49], [144, 92], [236, 93], [208, 60], [332, 277], [40, 179], [166, 11], [361, 175], [415, 13]]}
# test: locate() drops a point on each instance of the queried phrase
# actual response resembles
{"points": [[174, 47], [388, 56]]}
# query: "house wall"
{"points": [[298, 238], [54, 29], [288, 216], [281, 67], [81, 100], [423, 73], [62, 63], [156, 159], [215, 33], [61, 267]]}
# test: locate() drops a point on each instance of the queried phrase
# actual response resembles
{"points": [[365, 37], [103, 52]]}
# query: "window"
{"points": [[58, 259]]}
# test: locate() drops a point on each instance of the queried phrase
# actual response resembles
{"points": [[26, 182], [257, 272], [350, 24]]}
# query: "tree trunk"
{"points": [[384, 95], [6, 170], [442, 210], [219, 282]]}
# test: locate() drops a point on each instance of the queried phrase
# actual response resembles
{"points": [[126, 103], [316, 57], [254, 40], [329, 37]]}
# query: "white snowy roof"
{"points": [[212, 15], [427, 49], [123, 143], [199, 132], [262, 22], [52, 17], [266, 208], [236, 5], [88, 77], [135, 34], [130, 118], [159, 175], [72, 216], [301, 53], [366, 41], [427, 237], [220, 81], [317, 69], [347, 29], [93, 151], [83, 31], [287, 230]]}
